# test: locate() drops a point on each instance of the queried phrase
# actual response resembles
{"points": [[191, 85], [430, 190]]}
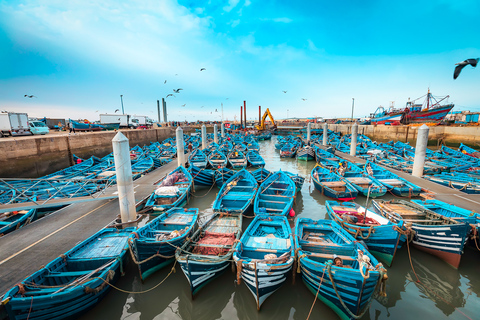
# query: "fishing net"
{"points": [[217, 239]]}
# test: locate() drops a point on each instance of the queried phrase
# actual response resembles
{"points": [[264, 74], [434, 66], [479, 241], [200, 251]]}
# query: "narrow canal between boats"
{"points": [[445, 293]]}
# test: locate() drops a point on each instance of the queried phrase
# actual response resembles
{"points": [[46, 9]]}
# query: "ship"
{"points": [[430, 111]]}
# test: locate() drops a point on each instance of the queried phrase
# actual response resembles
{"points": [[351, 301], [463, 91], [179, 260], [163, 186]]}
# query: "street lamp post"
{"points": [[121, 99], [287, 114], [353, 105]]}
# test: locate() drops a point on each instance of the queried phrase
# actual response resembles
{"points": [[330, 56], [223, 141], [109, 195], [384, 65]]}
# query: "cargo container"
{"points": [[123, 119], [14, 124]]}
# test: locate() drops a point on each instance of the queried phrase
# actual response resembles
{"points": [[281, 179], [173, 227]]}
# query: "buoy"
{"points": [[291, 213], [79, 161]]}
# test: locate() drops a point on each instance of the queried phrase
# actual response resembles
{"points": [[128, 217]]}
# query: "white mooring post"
{"points": [[223, 130], [204, 137], [325, 133], [215, 133], [420, 151], [123, 170], [180, 147], [309, 131], [353, 146]]}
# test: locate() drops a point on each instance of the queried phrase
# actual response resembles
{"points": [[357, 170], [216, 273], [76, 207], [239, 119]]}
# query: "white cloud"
{"points": [[231, 4], [281, 20]]}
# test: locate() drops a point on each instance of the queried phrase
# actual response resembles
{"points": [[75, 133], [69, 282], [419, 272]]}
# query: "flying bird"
{"points": [[97, 111], [461, 65], [201, 106], [168, 95], [177, 90], [165, 82], [116, 110], [27, 96], [183, 105], [304, 99], [216, 110], [203, 69], [284, 91]]}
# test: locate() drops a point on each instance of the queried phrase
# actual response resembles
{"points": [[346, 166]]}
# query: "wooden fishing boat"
{"points": [[395, 184], [275, 195], [288, 150], [172, 191], [365, 184], [154, 244], [297, 179], [72, 283], [217, 159], [347, 288], [237, 160], [332, 185], [198, 159], [261, 174], [255, 160], [435, 234], [208, 252], [264, 256], [381, 236], [237, 194], [253, 146], [202, 177], [468, 151], [306, 153], [222, 175], [79, 126], [456, 181]]}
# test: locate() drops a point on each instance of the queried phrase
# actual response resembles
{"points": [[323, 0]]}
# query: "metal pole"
{"points": [[325, 133], [353, 105], [223, 130], [245, 113], [215, 133], [204, 137], [353, 145], [420, 151], [158, 110], [309, 131], [123, 170], [180, 147], [241, 117], [222, 112], [121, 99], [164, 110], [259, 115]]}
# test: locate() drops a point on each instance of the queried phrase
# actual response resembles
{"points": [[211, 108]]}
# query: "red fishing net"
{"points": [[215, 239]]}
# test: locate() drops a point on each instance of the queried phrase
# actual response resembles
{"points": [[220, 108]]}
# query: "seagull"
{"points": [[284, 91], [177, 90], [201, 106], [461, 65], [97, 111], [183, 105], [304, 99], [116, 110], [216, 110], [203, 69], [165, 82], [27, 96], [168, 95]]}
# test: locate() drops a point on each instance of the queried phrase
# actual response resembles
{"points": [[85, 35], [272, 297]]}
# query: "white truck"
{"points": [[14, 124], [138, 121], [123, 119]]}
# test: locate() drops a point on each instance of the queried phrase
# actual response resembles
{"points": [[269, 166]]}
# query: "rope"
{"points": [[205, 193], [30, 310], [149, 258], [316, 294]]}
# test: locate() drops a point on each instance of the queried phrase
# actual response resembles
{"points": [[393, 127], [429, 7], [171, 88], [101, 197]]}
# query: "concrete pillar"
{"points": [[180, 147], [158, 110], [325, 133], [204, 137], [309, 131], [123, 169], [215, 133], [223, 130], [420, 151], [164, 110], [353, 146]]}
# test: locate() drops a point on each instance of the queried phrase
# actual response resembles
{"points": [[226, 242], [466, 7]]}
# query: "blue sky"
{"points": [[78, 57]]}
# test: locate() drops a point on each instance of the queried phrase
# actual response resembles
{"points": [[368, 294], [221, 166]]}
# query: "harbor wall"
{"points": [[451, 136], [33, 157]]}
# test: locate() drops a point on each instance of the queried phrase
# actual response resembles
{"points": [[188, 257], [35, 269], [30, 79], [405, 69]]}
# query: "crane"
{"points": [[261, 126]]}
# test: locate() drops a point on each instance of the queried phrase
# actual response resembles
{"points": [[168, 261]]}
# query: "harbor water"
{"points": [[443, 292]]}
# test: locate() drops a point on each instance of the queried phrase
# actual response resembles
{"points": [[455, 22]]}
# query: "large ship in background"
{"points": [[430, 111]]}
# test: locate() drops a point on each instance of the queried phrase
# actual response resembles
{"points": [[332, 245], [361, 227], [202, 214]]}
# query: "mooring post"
{"points": [[180, 147], [420, 151], [325, 133], [309, 131], [353, 145], [123, 170], [215, 133], [204, 137], [223, 130]]}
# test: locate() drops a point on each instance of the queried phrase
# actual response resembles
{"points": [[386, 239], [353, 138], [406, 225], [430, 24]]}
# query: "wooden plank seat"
{"points": [[211, 245], [392, 182], [271, 201], [178, 223], [330, 256], [333, 184], [276, 210], [359, 180], [69, 273], [421, 220]]}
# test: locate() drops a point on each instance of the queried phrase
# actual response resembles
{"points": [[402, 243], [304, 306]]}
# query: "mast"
{"points": [[428, 99]]}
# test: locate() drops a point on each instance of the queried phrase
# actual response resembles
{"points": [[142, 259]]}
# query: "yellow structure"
{"points": [[262, 127]]}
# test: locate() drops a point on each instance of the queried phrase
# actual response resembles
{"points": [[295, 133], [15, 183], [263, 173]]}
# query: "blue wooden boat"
{"points": [[468, 151], [217, 159], [367, 185], [264, 256], [79, 126], [255, 160], [379, 234], [297, 179], [288, 150], [435, 234], [349, 289], [72, 283], [457, 181], [154, 244], [237, 160], [253, 146], [261, 174], [275, 195], [222, 175], [202, 177], [198, 159], [306, 153], [395, 184], [172, 191], [208, 252], [332, 185], [237, 194]]}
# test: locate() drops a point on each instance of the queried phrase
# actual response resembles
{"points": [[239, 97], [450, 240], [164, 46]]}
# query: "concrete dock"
{"points": [[28, 249]]}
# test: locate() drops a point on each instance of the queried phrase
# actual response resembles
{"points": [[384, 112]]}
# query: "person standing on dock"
{"points": [[70, 126]]}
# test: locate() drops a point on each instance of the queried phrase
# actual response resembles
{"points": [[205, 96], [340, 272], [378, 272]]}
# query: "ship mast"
{"points": [[428, 99]]}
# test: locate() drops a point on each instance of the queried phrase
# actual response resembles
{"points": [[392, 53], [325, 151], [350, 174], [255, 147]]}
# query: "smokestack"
{"points": [[158, 110], [245, 113], [241, 117], [259, 115]]}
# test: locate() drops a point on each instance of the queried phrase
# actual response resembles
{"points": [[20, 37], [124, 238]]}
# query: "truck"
{"points": [[138, 121], [14, 124], [123, 119]]}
